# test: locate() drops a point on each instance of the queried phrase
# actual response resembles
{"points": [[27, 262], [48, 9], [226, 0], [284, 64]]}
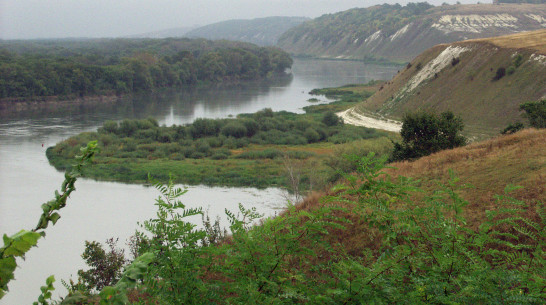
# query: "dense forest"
{"points": [[116, 66]]}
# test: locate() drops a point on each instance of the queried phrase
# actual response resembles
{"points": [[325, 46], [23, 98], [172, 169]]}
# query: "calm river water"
{"points": [[100, 210]]}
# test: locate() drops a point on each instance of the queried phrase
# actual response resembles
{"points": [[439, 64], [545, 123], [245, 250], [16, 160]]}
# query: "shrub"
{"points": [[251, 126], [215, 142], [311, 135], [501, 72], [512, 128], [518, 60], [425, 133], [234, 129], [127, 127], [510, 70], [536, 113], [204, 127], [202, 147], [455, 61], [331, 119], [109, 127]]}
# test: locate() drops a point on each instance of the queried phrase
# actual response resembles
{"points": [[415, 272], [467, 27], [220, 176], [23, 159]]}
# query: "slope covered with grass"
{"points": [[484, 81]]}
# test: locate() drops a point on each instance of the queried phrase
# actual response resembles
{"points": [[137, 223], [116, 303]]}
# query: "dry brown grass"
{"points": [[518, 159], [534, 40], [487, 166]]}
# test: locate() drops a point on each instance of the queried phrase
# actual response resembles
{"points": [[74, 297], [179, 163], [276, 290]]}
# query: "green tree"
{"points": [[106, 266], [425, 133], [331, 119]]}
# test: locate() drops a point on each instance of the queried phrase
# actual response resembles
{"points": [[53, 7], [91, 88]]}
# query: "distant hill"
{"points": [[260, 31], [484, 81], [167, 33], [399, 33]]}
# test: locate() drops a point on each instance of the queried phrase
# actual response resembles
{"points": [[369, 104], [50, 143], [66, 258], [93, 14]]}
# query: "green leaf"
{"points": [[50, 280], [7, 267], [21, 242], [54, 217]]}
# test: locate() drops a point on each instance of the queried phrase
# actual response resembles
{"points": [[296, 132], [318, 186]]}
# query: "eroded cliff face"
{"points": [[437, 25], [463, 77]]}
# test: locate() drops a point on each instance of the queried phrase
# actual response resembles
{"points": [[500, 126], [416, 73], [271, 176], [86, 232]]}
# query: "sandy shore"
{"points": [[350, 116]]}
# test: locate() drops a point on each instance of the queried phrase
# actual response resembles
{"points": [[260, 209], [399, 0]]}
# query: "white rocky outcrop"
{"points": [[537, 18], [400, 32], [373, 37], [474, 23], [434, 66], [538, 58]]}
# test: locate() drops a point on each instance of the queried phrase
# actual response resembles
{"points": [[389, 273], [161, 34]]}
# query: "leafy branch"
{"points": [[21, 242]]}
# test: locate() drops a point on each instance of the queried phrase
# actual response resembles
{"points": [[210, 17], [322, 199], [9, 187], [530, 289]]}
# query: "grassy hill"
{"points": [[260, 31], [485, 167], [373, 238], [399, 33], [464, 77]]}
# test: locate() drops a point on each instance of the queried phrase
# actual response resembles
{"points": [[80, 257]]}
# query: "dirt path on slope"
{"points": [[350, 116]]}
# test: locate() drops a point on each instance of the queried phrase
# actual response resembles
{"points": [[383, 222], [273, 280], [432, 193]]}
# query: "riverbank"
{"points": [[15, 105]]}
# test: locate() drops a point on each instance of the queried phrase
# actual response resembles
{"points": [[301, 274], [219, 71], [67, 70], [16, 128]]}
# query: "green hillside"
{"points": [[484, 81], [399, 33]]}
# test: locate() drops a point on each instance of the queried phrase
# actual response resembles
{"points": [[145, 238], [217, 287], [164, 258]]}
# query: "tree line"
{"points": [[119, 66]]}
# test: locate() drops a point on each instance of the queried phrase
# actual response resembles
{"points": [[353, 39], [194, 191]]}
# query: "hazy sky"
{"points": [[27, 19]]}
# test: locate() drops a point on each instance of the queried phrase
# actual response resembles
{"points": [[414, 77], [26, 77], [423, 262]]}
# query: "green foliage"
{"points": [[46, 291], [234, 129], [20, 243], [32, 70], [512, 128], [331, 119], [133, 148], [416, 252], [106, 267], [132, 276], [428, 255], [425, 133], [419, 252], [536, 113]]}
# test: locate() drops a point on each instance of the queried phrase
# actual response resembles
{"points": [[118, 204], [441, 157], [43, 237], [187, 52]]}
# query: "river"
{"points": [[100, 210]]}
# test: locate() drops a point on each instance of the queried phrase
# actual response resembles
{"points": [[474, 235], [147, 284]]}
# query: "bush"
{"points": [[204, 127], [512, 128], [501, 72], [109, 127], [311, 135], [536, 113], [518, 60], [234, 129], [425, 133], [331, 119], [202, 147], [251, 126], [510, 70]]}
